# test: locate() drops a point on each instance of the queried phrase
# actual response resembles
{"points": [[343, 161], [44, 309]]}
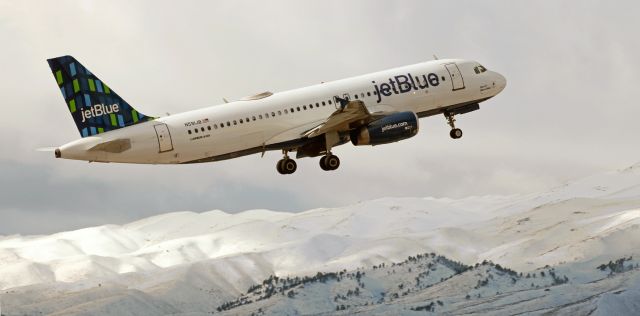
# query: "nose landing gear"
{"points": [[455, 132]]}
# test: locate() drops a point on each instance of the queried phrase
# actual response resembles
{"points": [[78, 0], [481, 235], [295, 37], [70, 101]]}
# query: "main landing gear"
{"points": [[329, 162], [286, 165], [455, 132]]}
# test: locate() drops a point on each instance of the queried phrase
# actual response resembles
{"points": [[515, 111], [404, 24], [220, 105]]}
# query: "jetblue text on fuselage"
{"points": [[99, 110], [405, 83]]}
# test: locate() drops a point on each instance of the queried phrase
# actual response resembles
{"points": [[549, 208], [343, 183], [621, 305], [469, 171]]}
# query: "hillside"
{"points": [[194, 262], [431, 283]]}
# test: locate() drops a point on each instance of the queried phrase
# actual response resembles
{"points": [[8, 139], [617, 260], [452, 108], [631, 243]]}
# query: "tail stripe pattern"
{"points": [[95, 108]]}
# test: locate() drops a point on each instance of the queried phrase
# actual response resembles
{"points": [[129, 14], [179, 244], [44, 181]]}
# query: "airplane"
{"points": [[372, 109]]}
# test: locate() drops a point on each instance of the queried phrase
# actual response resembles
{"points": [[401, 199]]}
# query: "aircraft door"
{"points": [[164, 138], [456, 76]]}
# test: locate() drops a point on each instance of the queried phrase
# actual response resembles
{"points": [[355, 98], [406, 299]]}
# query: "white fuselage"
{"points": [[234, 129]]}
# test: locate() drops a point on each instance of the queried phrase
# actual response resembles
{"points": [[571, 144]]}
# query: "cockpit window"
{"points": [[479, 69]]}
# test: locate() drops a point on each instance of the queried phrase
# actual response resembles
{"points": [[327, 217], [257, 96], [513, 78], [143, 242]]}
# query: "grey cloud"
{"points": [[35, 200], [569, 109]]}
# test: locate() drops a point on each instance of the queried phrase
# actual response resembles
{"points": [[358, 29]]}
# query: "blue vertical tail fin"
{"points": [[95, 108]]}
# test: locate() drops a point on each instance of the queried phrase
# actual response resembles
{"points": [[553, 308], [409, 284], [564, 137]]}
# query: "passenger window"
{"points": [[253, 117], [279, 112], [246, 120], [266, 115], [323, 104], [195, 131], [355, 96], [291, 110], [368, 93], [304, 107], [260, 116], [240, 121], [215, 126], [209, 127], [228, 123], [202, 129], [362, 95], [189, 131], [329, 101], [235, 122], [375, 92], [298, 108], [273, 114], [317, 104]]}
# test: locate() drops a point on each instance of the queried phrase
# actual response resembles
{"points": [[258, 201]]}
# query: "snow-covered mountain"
{"points": [[180, 263]]}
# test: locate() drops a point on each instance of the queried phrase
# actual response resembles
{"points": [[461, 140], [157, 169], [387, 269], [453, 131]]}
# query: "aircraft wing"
{"points": [[351, 114]]}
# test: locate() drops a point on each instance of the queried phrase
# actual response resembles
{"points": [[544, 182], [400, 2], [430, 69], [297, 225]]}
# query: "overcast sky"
{"points": [[570, 108]]}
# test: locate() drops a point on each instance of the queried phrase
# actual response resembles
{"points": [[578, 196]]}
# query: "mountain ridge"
{"points": [[582, 224]]}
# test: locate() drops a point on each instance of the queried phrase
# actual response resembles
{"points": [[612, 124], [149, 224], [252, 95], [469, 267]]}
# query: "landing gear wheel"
{"points": [[279, 166], [289, 166], [455, 133], [286, 166], [330, 162], [323, 163]]}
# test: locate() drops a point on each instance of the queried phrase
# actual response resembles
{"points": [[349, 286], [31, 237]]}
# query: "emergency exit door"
{"points": [[164, 138], [456, 76]]}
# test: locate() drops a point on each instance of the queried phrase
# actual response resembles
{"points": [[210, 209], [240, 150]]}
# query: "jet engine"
{"points": [[391, 128]]}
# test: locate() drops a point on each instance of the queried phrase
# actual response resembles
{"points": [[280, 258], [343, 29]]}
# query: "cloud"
{"points": [[36, 200], [568, 109]]}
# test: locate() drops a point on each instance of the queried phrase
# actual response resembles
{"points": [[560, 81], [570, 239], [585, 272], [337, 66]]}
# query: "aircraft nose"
{"points": [[500, 82]]}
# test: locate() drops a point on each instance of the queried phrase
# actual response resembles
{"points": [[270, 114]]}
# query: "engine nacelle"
{"points": [[389, 129]]}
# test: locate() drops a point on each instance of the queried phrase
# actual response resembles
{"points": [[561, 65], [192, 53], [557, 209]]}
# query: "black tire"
{"points": [[455, 133], [323, 164], [289, 166], [332, 162], [279, 166]]}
